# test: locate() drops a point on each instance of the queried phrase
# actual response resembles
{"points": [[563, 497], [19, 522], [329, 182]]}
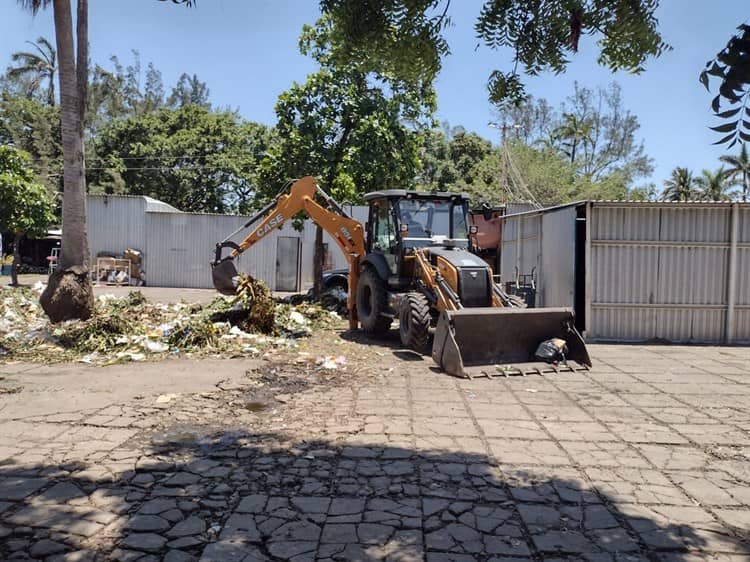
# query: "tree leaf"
{"points": [[726, 127], [729, 113], [715, 104], [703, 79], [727, 138]]}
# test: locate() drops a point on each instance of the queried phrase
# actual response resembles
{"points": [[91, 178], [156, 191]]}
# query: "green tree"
{"points": [[436, 170], [406, 37], [190, 90], [69, 293], [25, 206], [713, 185], [36, 67], [739, 170], [34, 127], [356, 131], [153, 92], [190, 157], [513, 172], [573, 132], [680, 186], [593, 130]]}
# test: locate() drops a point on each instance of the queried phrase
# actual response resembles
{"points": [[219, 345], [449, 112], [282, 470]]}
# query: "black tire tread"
{"points": [[377, 322], [418, 307]]}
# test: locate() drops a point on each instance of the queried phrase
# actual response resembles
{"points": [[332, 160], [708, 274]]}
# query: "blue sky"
{"points": [[246, 50]]}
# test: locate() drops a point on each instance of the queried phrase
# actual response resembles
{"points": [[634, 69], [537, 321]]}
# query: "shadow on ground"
{"points": [[196, 494], [391, 341]]}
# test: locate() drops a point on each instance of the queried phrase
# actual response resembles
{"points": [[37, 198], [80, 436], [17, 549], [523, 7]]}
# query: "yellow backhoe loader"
{"points": [[414, 263]]}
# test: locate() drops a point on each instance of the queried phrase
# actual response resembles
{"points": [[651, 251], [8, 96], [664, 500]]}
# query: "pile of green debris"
{"points": [[133, 329]]}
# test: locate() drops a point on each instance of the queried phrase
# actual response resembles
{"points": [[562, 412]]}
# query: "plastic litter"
{"points": [[132, 329], [331, 363], [552, 351], [155, 346]]}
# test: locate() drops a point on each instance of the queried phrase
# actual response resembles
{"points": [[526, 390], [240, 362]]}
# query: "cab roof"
{"points": [[412, 194]]}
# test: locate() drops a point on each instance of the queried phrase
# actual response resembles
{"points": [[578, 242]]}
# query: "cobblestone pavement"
{"points": [[643, 458]]}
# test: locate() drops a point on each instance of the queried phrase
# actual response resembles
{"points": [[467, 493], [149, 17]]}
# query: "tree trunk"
{"points": [[51, 90], [745, 178], [319, 251], [318, 257], [16, 259], [69, 294]]}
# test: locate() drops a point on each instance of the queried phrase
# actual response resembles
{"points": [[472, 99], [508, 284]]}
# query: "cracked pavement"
{"points": [[643, 458]]}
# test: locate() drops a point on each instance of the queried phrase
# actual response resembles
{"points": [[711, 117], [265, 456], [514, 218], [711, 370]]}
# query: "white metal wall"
{"points": [[547, 246], [177, 247], [676, 272], [115, 223]]}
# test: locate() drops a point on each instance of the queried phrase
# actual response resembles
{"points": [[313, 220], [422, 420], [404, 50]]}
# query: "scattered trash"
{"points": [[296, 317], [132, 329], [165, 398], [155, 346], [552, 351], [38, 288], [331, 363], [90, 358]]}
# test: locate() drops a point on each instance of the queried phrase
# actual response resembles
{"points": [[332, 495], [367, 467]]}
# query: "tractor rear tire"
{"points": [[414, 322], [372, 303]]}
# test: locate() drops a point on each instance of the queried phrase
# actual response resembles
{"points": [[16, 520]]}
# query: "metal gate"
{"points": [[287, 263]]}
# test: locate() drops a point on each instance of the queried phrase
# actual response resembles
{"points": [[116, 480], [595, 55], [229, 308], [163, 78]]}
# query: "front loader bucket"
{"points": [[501, 341], [224, 274]]}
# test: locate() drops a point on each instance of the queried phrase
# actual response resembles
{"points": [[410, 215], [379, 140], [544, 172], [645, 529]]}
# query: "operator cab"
{"points": [[401, 220]]}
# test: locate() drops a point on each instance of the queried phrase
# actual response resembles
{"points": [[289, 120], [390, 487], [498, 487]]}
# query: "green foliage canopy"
{"points": [[406, 36], [357, 131], [189, 157], [25, 206], [34, 127]]}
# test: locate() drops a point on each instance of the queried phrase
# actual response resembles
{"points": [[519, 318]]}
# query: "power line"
{"points": [[189, 157], [172, 168]]}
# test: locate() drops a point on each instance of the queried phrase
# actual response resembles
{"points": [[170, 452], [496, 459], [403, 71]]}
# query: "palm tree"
{"points": [[739, 167], [680, 186], [69, 293], [575, 131], [39, 66], [713, 185]]}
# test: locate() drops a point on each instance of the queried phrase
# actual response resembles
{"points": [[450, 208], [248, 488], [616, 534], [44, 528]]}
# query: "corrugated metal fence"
{"points": [[178, 247], [676, 272]]}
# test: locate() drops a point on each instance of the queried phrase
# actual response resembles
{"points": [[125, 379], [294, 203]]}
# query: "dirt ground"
{"points": [[382, 458]]}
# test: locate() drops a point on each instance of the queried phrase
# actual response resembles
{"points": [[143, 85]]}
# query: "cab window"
{"points": [[384, 233], [459, 222]]}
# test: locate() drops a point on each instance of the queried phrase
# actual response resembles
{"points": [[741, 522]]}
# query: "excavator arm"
{"points": [[300, 196]]}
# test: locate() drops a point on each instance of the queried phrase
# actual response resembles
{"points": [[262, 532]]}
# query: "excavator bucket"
{"points": [[224, 275], [503, 341]]}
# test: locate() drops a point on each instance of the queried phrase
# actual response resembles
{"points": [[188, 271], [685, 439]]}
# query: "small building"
{"points": [[177, 247]]}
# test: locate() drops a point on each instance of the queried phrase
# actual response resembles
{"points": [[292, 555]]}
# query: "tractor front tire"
{"points": [[372, 303], [414, 322]]}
